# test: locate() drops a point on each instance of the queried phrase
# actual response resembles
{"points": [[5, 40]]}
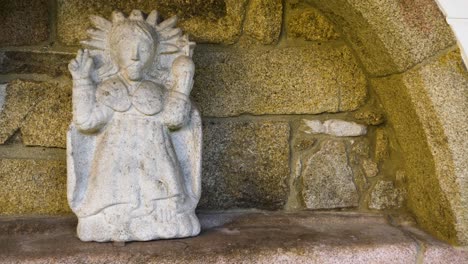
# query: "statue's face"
{"points": [[134, 54]]}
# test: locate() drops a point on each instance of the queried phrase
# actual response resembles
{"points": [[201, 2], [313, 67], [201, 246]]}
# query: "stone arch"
{"points": [[414, 68]]}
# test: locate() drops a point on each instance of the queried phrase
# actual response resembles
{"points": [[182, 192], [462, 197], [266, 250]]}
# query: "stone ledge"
{"points": [[242, 237]]}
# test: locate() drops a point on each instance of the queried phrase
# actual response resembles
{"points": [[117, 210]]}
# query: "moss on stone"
{"points": [[288, 80], [47, 124], [33, 187], [390, 37], [214, 21], [426, 199], [264, 19], [308, 23]]}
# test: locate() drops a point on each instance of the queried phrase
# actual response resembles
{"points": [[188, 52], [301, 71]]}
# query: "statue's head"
{"points": [[132, 45], [135, 46]]}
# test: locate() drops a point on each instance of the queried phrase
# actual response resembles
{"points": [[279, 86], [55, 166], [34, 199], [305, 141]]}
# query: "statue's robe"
{"points": [[134, 159]]}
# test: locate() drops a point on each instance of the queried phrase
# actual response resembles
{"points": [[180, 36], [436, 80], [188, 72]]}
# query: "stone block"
{"points": [[47, 124], [386, 196], [33, 187], [305, 22], [41, 110], [328, 178], [23, 22], [290, 80], [20, 97], [217, 21], [27, 62], [264, 19], [390, 36], [427, 108], [245, 164]]}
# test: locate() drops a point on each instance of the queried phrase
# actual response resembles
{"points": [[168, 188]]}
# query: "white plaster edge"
{"points": [[456, 13], [460, 28], [454, 8], [335, 127]]}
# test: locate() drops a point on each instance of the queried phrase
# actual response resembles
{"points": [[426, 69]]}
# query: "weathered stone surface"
{"points": [[19, 100], [47, 124], [217, 21], [370, 115], [381, 145], [53, 64], [263, 237], [370, 168], [436, 252], [427, 108], [263, 20], [23, 22], [335, 127], [390, 36], [41, 110], [33, 187], [308, 23], [386, 196], [245, 164], [292, 80], [328, 178]]}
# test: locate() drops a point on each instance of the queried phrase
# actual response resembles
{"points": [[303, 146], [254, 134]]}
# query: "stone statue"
{"points": [[134, 145]]}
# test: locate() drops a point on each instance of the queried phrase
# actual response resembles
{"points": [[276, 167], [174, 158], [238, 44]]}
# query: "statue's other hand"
{"points": [[177, 111], [82, 66]]}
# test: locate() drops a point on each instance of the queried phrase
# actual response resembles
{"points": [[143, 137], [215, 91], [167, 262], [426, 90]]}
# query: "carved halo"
{"points": [[171, 44]]}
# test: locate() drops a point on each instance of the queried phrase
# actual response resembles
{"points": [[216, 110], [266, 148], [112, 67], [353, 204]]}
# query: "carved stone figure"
{"points": [[134, 145]]}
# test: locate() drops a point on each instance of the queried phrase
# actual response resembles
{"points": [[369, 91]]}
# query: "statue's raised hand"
{"points": [[82, 66]]}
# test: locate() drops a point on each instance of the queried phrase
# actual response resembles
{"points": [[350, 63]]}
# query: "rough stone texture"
{"points": [[20, 98], [328, 179], [245, 164], [381, 151], [261, 237], [390, 36], [33, 187], [291, 80], [42, 110], [25, 62], [263, 20], [370, 115], [308, 23], [47, 124], [427, 108], [23, 22], [385, 196], [214, 21], [434, 251], [370, 168]]}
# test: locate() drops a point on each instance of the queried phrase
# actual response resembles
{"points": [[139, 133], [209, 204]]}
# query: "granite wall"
{"points": [[267, 72]]}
